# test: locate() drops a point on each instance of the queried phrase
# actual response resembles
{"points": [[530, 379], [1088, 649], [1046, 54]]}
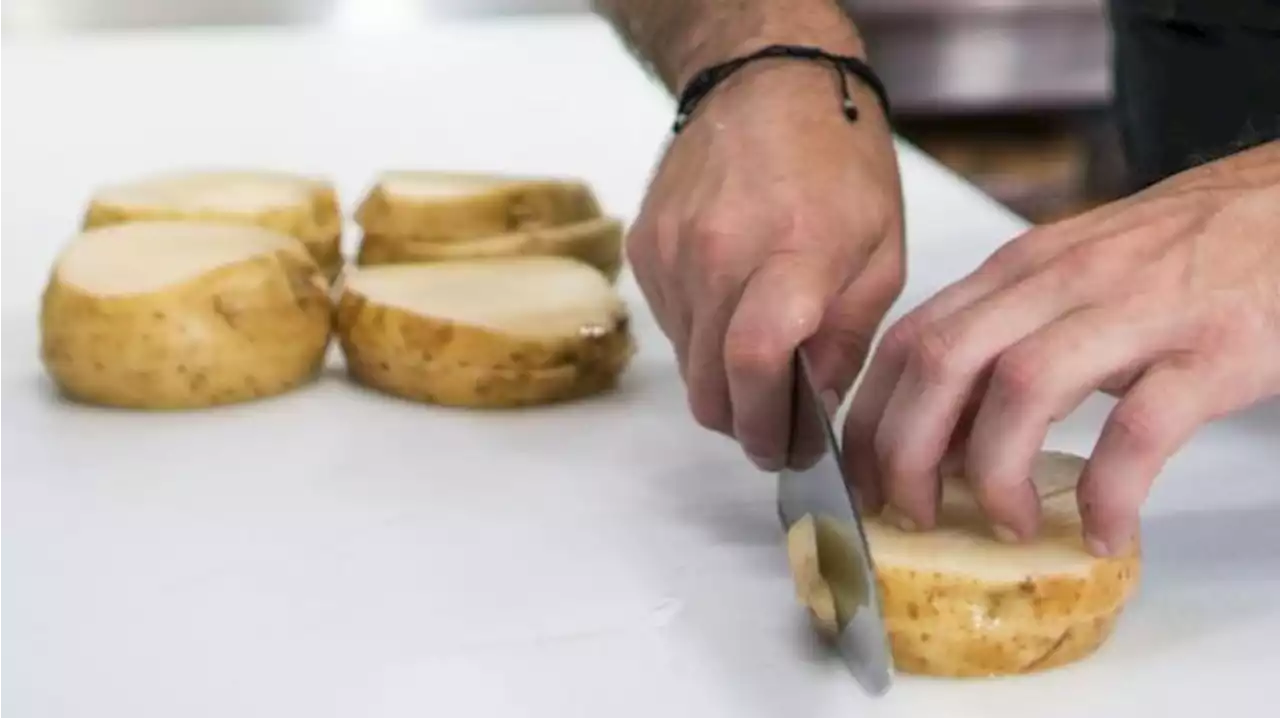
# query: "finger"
{"points": [[642, 258], [840, 347], [708, 387], [871, 397], [782, 305], [1024, 256], [1158, 414], [1038, 381], [651, 249], [953, 460], [941, 371]]}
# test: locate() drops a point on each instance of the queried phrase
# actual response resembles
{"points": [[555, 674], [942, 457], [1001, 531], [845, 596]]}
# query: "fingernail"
{"points": [[1004, 534], [901, 520], [1096, 546], [764, 464]]}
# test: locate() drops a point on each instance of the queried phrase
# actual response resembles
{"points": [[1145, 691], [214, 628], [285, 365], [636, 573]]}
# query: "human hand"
{"points": [[1169, 299], [771, 220]]}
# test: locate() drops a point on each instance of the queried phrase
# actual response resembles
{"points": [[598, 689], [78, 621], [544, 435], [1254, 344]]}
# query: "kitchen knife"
{"points": [[823, 492]]}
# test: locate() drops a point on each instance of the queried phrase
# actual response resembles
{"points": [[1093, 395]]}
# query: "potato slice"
{"points": [[597, 242], [459, 206], [170, 315], [958, 602], [486, 333], [303, 207]]}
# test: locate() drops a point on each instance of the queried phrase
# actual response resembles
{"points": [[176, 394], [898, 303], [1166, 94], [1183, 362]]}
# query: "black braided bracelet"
{"points": [[705, 81]]}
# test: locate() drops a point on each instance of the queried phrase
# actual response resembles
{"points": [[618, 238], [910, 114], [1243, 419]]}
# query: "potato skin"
{"points": [[244, 331], [478, 388], [445, 363], [595, 242], [506, 208], [912, 595], [932, 651], [950, 625], [318, 227], [380, 333]]}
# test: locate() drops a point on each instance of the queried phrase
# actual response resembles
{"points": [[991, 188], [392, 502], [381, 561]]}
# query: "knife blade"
{"points": [[823, 492]]}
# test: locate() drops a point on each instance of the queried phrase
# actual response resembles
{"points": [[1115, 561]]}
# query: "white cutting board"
{"points": [[338, 553]]}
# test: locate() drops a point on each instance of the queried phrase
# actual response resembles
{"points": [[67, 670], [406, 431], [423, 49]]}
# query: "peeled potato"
{"points": [[484, 333], [958, 602], [171, 315], [459, 206], [597, 242], [302, 207]]}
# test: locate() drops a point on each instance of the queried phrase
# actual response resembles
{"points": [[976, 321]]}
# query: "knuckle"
{"points": [[1071, 268], [714, 234], [1019, 376], [1139, 427], [899, 338], [936, 354], [751, 352], [1218, 328]]}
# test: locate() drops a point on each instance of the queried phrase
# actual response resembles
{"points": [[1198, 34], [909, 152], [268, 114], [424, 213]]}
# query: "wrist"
{"points": [[811, 86]]}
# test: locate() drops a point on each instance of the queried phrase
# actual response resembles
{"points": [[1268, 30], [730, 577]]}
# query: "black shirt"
{"points": [[1195, 80], [1239, 13]]}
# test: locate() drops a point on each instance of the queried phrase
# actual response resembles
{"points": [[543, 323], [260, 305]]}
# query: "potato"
{"points": [[303, 207], [958, 602], [597, 242], [493, 333], [172, 315], [460, 206]]}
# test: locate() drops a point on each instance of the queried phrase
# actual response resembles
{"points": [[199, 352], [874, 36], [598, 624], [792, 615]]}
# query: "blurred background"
{"points": [[1012, 94]]}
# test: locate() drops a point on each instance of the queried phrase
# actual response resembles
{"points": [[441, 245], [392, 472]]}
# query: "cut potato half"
{"points": [[597, 242], [487, 333], [958, 602], [458, 206], [172, 315], [300, 206]]}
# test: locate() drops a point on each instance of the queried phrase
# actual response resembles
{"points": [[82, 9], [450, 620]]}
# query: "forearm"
{"points": [[677, 38]]}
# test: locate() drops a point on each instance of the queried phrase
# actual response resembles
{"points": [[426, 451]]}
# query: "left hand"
{"points": [[1168, 299]]}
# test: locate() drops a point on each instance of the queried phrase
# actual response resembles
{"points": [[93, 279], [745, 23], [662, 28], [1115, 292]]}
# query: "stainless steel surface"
{"points": [[823, 492], [969, 7], [27, 16], [939, 56]]}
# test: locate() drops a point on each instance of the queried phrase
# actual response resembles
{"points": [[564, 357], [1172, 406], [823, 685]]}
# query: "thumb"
{"points": [[843, 340], [783, 303]]}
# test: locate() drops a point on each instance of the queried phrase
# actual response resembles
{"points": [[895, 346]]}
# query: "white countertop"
{"points": [[337, 553]]}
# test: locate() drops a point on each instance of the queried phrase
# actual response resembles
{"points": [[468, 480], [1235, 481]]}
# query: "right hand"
{"points": [[771, 221]]}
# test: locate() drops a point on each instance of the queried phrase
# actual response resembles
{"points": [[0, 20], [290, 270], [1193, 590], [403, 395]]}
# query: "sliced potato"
{"points": [[459, 206], [958, 602], [303, 207], [488, 333], [171, 315], [597, 242]]}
